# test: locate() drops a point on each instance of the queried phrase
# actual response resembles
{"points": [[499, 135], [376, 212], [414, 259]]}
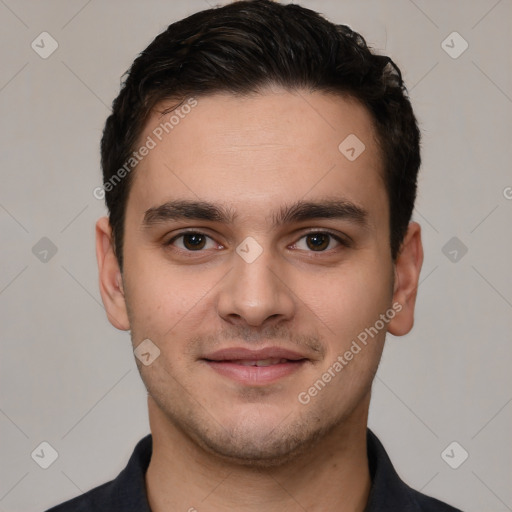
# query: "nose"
{"points": [[256, 293]]}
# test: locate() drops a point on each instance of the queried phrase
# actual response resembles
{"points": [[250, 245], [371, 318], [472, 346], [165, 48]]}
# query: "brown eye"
{"points": [[191, 242], [318, 241], [194, 241]]}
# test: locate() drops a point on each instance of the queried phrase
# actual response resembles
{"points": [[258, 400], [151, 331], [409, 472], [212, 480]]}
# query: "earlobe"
{"points": [[110, 278], [407, 272]]}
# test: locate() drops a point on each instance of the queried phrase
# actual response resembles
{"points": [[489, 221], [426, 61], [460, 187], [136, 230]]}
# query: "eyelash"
{"points": [[342, 241]]}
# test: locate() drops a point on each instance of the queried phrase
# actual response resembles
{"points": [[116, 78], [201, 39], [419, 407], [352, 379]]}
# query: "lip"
{"points": [[234, 353], [229, 363]]}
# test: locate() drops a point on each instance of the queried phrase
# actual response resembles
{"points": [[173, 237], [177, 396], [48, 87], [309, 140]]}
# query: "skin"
{"points": [[219, 444]]}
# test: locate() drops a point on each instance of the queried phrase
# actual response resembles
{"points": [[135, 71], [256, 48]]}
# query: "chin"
{"points": [[260, 446], [246, 452]]}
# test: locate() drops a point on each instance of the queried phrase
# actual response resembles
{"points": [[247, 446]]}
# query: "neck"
{"points": [[332, 476]]}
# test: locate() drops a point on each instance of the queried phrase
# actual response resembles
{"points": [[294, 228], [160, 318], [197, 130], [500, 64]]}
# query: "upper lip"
{"points": [[241, 353]]}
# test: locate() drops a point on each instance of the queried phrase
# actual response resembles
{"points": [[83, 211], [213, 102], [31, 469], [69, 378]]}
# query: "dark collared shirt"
{"points": [[127, 493]]}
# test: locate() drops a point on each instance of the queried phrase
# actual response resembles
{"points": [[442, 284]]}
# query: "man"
{"points": [[260, 169]]}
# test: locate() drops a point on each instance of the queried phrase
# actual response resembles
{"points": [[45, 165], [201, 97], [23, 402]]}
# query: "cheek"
{"points": [[151, 296], [164, 301], [347, 300]]}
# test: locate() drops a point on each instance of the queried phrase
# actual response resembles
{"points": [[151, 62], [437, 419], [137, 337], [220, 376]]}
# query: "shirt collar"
{"points": [[387, 493]]}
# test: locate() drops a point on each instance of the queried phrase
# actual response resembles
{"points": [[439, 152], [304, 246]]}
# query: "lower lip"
{"points": [[255, 375]]}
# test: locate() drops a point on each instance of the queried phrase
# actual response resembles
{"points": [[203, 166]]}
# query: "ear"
{"points": [[110, 278], [407, 272]]}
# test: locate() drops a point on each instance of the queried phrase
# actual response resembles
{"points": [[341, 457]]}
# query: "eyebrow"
{"points": [[299, 211]]}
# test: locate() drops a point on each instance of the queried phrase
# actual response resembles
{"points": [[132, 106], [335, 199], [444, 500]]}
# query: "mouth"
{"points": [[255, 367], [258, 362]]}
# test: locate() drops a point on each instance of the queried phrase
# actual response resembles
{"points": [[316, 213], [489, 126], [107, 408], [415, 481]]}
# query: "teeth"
{"points": [[261, 362]]}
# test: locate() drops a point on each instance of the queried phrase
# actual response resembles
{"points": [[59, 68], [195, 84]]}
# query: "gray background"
{"points": [[69, 378]]}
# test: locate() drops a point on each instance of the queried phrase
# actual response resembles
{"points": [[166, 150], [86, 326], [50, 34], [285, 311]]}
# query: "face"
{"points": [[256, 256]]}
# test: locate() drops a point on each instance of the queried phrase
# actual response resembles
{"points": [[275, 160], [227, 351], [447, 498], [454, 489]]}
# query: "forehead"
{"points": [[255, 152]]}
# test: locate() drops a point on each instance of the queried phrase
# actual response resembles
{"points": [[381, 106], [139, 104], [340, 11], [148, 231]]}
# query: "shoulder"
{"points": [[428, 504], [97, 500], [126, 493], [389, 492]]}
